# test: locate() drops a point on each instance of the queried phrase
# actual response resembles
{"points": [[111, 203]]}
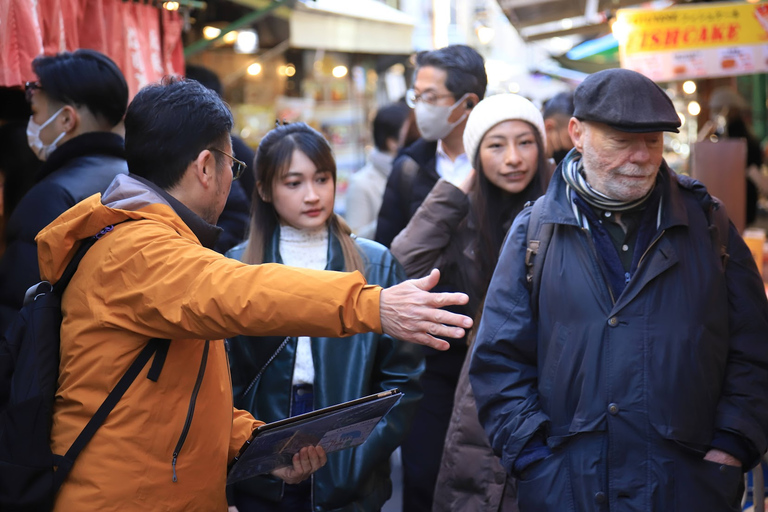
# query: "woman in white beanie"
{"points": [[459, 229]]}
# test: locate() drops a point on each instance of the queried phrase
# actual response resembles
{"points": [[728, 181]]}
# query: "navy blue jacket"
{"points": [[628, 394], [77, 169]]}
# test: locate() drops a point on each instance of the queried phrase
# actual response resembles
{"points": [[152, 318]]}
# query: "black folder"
{"points": [[337, 427]]}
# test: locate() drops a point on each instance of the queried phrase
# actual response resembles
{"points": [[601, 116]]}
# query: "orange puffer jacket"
{"points": [[152, 278]]}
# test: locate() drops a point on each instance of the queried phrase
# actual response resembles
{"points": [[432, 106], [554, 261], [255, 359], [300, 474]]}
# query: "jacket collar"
{"points": [[335, 255], [422, 152], [91, 143], [206, 233], [557, 206]]}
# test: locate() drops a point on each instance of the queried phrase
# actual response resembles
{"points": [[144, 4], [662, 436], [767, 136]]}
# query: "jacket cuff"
{"points": [[535, 450], [735, 445]]}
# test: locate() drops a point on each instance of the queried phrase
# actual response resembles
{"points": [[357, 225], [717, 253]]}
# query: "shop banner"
{"points": [[711, 40], [144, 41]]}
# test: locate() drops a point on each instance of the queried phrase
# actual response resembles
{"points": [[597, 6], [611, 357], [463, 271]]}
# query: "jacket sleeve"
{"points": [[398, 365], [392, 216], [159, 284], [421, 245], [743, 407], [243, 425], [503, 369]]}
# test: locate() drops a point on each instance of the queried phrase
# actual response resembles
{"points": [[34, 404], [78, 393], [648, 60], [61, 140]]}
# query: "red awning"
{"points": [[144, 41]]}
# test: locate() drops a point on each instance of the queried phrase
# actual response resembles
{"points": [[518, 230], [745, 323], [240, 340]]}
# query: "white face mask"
{"points": [[42, 151], [432, 120]]}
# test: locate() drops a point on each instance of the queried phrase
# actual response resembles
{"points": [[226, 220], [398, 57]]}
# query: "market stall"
{"points": [[143, 39]]}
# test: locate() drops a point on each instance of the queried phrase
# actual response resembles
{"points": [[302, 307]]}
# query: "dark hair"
{"points": [[463, 65], [559, 104], [167, 126], [84, 78], [273, 158], [494, 210], [205, 76], [388, 122]]}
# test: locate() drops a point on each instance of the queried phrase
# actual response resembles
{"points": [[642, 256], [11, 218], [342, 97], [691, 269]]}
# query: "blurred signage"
{"points": [[694, 41]]}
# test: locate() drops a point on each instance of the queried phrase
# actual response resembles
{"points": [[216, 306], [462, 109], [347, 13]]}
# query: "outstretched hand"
{"points": [[305, 462], [409, 312]]}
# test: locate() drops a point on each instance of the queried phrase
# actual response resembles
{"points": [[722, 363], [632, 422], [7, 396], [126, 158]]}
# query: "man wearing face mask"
{"points": [[448, 83], [77, 101], [557, 113]]}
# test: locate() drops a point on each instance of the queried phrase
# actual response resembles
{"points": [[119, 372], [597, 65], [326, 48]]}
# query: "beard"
{"points": [[628, 182]]}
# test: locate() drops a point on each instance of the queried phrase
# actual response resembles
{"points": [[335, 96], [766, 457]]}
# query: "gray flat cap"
{"points": [[625, 100]]}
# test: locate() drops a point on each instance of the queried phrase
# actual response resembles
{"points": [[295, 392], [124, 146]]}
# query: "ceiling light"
{"points": [[210, 32]]}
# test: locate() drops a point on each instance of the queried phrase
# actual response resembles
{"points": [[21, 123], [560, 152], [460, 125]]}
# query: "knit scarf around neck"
{"points": [[573, 174]]}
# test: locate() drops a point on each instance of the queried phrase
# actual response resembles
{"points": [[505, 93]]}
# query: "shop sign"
{"points": [[685, 42]]}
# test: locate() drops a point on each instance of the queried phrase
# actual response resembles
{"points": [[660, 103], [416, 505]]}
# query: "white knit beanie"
{"points": [[494, 110]]}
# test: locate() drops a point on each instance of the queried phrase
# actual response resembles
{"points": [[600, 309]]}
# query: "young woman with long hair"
{"points": [[293, 223], [460, 229]]}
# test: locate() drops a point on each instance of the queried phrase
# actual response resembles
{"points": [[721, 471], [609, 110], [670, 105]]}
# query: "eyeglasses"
{"points": [[429, 97], [31, 87], [238, 166]]}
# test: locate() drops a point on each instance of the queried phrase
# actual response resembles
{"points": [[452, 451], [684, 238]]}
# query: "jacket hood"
{"points": [[125, 199]]}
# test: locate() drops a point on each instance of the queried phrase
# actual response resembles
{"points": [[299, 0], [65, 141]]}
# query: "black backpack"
{"points": [[29, 370]]}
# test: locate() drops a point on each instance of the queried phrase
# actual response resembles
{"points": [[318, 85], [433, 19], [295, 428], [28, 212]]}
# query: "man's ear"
{"points": [[70, 118], [472, 100], [576, 130], [205, 168], [550, 125]]}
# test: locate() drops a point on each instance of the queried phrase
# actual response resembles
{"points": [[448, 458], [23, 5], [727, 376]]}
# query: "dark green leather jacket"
{"points": [[355, 479]]}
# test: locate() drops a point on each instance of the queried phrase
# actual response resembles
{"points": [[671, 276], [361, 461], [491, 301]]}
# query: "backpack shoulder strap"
{"points": [[719, 227], [85, 244], [537, 240], [65, 463]]}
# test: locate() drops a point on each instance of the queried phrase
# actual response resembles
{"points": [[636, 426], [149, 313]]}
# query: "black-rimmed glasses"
{"points": [[29, 88], [238, 166]]}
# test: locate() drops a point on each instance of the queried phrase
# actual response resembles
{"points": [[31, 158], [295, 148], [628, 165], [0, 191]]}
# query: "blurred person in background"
{"points": [[275, 377], [557, 113], [460, 228], [366, 186], [730, 117], [448, 83], [77, 100], [234, 218]]}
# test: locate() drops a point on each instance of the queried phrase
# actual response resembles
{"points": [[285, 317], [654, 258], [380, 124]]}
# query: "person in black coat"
{"points": [[77, 100], [448, 83]]}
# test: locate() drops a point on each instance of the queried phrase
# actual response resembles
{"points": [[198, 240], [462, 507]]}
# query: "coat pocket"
{"points": [[545, 486], [704, 485]]}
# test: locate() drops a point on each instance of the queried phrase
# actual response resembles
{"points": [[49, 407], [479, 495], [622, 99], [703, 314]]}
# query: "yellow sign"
{"points": [[694, 41], [692, 27]]}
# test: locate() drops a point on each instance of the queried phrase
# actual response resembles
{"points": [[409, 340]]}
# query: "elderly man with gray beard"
{"points": [[630, 373]]}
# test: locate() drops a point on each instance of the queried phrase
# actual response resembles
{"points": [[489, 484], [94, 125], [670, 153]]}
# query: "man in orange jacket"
{"points": [[166, 444]]}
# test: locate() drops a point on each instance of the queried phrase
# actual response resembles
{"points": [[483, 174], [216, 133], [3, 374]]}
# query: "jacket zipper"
{"points": [[190, 409]]}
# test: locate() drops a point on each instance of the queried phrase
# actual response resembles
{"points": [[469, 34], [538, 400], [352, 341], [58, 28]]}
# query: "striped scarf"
{"points": [[573, 174]]}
